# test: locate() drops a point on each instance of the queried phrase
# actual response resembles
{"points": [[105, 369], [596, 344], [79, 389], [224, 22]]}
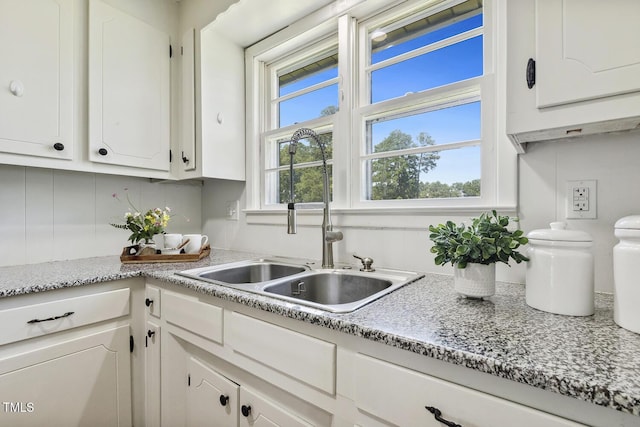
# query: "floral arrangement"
{"points": [[144, 226]]}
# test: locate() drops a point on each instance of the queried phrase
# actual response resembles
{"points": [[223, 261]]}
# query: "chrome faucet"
{"points": [[329, 235]]}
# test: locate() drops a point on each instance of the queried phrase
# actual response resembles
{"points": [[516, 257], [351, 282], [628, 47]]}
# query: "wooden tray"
{"points": [[125, 258]]}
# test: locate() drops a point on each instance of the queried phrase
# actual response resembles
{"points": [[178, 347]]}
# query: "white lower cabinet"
{"points": [[84, 381], [390, 395], [214, 400]]}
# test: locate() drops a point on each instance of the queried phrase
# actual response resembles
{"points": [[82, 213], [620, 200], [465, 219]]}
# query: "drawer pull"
{"points": [[246, 410], [67, 314], [437, 414], [224, 399]]}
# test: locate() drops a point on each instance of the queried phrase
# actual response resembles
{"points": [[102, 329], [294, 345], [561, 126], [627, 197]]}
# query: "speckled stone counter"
{"points": [[589, 358]]}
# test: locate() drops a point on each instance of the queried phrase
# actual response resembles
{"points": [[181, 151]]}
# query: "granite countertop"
{"points": [[589, 358]]}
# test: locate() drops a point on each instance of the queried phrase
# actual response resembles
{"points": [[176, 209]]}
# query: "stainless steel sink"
{"points": [[332, 287], [246, 271], [339, 290]]}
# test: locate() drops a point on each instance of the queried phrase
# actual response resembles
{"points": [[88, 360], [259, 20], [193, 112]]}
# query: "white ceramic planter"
{"points": [[475, 280]]}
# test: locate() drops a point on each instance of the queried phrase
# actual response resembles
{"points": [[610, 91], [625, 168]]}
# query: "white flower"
{"points": [[128, 215]]}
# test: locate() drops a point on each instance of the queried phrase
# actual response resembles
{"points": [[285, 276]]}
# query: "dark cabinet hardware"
{"points": [[438, 416], [184, 158], [150, 333], [130, 343], [102, 151], [67, 314], [148, 302], [246, 410], [224, 400], [531, 73], [58, 146]]}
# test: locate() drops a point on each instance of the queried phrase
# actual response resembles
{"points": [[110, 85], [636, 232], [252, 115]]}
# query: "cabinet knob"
{"points": [[437, 415], [58, 146], [246, 410], [16, 87], [224, 400], [150, 333], [102, 151], [148, 302]]}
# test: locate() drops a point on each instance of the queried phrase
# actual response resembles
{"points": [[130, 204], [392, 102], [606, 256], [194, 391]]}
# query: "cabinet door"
{"points": [[36, 77], [79, 382], [188, 122], [152, 374], [586, 49], [129, 90], [212, 400], [258, 411], [222, 109]]}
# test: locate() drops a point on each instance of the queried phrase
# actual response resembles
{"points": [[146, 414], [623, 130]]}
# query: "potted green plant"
{"points": [[475, 249]]}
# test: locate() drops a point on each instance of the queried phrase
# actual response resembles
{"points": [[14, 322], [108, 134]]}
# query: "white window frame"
{"points": [[499, 159]]}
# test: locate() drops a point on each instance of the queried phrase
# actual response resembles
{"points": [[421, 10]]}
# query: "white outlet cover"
{"points": [[233, 210], [592, 202]]}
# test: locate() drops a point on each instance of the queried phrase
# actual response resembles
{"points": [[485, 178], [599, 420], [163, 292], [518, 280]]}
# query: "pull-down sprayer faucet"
{"points": [[329, 235]]}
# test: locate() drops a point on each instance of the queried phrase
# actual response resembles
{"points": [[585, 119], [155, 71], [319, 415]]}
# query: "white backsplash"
{"points": [[49, 215]]}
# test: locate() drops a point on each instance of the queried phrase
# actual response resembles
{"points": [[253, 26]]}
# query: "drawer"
{"points": [[193, 315], [34, 320], [307, 359], [398, 396]]}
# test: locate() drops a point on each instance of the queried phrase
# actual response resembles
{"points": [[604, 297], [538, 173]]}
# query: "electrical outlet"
{"points": [[233, 210], [581, 199]]}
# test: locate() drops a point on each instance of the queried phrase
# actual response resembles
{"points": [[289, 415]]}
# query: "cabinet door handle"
{"points": [[224, 400], [102, 151], [58, 146], [531, 73], [437, 414], [246, 410], [150, 333], [185, 159], [148, 302], [67, 314]]}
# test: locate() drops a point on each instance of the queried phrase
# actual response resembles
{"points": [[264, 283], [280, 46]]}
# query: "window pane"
{"points": [[413, 36], [305, 80], [308, 184], [444, 66], [307, 151], [445, 174], [447, 125], [321, 102]]}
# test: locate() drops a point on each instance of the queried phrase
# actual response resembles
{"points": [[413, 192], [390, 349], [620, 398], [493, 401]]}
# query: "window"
{"points": [[304, 93], [405, 99], [421, 104]]}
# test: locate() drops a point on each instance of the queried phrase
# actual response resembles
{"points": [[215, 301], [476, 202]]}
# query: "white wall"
{"points": [[610, 159], [48, 215]]}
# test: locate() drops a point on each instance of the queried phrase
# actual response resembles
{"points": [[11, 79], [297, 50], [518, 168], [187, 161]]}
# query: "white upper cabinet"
{"points": [[129, 90], [222, 107], [36, 77], [587, 68], [591, 44]]}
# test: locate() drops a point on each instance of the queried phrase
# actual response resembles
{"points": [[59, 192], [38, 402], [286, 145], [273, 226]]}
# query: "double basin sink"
{"points": [[337, 290]]}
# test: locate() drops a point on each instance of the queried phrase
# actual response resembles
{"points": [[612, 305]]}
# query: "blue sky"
{"points": [[454, 63]]}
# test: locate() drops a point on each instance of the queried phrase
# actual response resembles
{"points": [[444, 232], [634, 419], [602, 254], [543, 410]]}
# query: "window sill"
{"points": [[405, 218]]}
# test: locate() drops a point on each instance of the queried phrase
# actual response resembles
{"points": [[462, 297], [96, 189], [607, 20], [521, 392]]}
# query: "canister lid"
{"points": [[559, 233], [629, 222]]}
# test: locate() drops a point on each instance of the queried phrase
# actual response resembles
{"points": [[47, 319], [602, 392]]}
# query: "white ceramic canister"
{"points": [[559, 275], [626, 273]]}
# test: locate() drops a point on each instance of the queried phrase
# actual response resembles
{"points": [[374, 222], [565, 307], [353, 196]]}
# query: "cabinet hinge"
{"points": [[531, 73], [170, 51], [182, 50], [189, 380], [170, 156], [130, 343]]}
